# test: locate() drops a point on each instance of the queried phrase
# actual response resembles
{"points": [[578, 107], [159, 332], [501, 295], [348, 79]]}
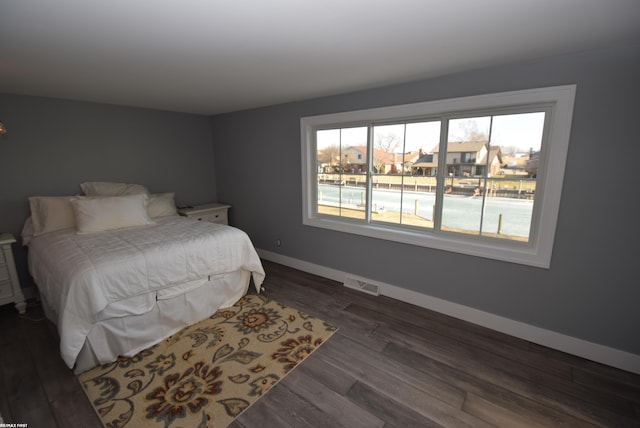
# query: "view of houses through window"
{"points": [[473, 174]]}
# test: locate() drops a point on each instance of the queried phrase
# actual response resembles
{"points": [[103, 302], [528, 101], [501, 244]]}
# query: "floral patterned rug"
{"points": [[208, 373]]}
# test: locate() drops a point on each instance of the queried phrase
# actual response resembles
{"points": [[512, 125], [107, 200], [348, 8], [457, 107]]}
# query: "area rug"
{"points": [[208, 373]]}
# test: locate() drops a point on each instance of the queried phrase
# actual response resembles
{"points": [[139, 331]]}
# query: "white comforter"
{"points": [[81, 275]]}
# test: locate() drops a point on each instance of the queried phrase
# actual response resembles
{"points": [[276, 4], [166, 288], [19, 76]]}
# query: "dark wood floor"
{"points": [[391, 364]]}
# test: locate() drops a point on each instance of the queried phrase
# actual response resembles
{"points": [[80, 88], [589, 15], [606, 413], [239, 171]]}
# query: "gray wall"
{"points": [[592, 289], [53, 145], [590, 292]]}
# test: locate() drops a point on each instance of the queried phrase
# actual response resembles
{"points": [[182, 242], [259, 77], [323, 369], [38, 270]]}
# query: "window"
{"points": [[478, 175]]}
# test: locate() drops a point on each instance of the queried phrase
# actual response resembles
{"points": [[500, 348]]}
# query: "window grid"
{"points": [[555, 103]]}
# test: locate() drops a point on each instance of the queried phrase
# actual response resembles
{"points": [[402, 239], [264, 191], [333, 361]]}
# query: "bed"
{"points": [[118, 290]]}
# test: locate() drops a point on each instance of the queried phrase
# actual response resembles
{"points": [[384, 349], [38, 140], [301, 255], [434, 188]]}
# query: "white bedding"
{"points": [[90, 278]]}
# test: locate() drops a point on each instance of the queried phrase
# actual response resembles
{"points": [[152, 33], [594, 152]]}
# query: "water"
{"points": [[462, 212]]}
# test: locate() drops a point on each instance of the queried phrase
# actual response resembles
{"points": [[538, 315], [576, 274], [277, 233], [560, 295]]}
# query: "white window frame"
{"points": [[537, 252]]}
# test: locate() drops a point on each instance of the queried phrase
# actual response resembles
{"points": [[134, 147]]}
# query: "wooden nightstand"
{"points": [[214, 213], [10, 291]]}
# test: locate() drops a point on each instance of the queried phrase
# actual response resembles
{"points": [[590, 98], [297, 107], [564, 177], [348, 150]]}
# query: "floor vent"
{"points": [[362, 284]]}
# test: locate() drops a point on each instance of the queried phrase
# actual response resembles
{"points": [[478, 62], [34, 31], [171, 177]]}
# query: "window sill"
{"points": [[513, 252]]}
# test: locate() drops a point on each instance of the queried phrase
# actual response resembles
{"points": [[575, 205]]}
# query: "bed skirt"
{"points": [[129, 334]]}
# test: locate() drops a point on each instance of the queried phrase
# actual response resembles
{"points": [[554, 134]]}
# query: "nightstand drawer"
{"points": [[213, 213], [4, 273], [215, 217], [5, 289], [10, 291]]}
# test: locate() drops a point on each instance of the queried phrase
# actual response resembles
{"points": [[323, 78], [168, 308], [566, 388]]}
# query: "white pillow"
{"points": [[161, 205], [51, 213], [97, 214], [106, 188]]}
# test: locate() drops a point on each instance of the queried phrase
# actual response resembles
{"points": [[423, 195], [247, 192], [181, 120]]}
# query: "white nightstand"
{"points": [[10, 291], [214, 213]]}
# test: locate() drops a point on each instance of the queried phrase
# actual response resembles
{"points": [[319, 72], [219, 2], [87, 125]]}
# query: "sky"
{"points": [[522, 131]]}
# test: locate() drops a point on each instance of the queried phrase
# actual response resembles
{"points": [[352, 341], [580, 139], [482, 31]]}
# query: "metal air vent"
{"points": [[362, 284]]}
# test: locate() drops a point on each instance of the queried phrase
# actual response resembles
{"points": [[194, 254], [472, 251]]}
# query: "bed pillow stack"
{"points": [[107, 188], [161, 205], [97, 214], [158, 205], [104, 206], [51, 213]]}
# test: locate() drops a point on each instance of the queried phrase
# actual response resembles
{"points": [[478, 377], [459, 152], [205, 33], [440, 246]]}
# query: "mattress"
{"points": [[90, 279]]}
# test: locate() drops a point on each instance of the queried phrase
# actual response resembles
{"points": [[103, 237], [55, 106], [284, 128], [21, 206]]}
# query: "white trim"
{"points": [[592, 351], [551, 175]]}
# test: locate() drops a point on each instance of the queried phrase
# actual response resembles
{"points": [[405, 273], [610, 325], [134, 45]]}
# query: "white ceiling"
{"points": [[214, 56]]}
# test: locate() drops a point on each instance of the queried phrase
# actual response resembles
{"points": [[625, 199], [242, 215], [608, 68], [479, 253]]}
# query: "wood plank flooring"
{"points": [[391, 364]]}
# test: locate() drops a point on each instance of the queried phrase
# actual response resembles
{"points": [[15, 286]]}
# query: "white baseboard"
{"points": [[572, 345]]}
